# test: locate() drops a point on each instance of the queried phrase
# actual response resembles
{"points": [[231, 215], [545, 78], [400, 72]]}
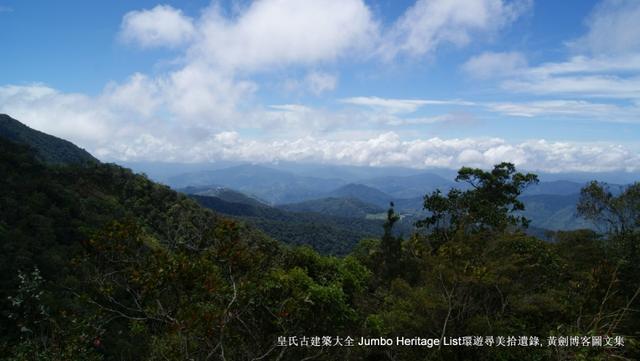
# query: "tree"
{"points": [[617, 214], [391, 245], [489, 204]]}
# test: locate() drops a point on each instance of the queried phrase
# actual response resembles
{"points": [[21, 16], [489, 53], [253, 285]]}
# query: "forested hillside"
{"points": [[327, 234], [98, 263], [341, 207], [47, 147]]}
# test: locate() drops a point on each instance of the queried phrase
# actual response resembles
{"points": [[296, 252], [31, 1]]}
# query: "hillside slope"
{"points": [[339, 207], [48, 148], [364, 193], [99, 263], [327, 234]]}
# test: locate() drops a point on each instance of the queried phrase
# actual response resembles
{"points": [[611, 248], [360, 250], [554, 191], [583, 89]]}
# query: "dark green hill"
{"points": [[326, 233], [340, 207], [48, 148], [99, 263], [45, 212], [225, 194], [51, 216], [364, 193]]}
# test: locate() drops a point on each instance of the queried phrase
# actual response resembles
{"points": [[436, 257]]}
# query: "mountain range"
{"points": [[342, 200], [550, 205]]}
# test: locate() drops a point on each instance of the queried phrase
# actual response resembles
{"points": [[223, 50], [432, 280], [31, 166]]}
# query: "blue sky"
{"points": [[549, 85]]}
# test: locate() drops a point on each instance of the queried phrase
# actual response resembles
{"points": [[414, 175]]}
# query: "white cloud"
{"points": [[570, 108], [161, 26], [605, 76], [441, 118], [70, 116], [399, 106], [271, 33], [139, 94], [227, 138], [594, 86], [388, 149], [314, 82], [581, 64], [607, 64], [488, 64], [199, 93], [391, 106], [283, 32], [431, 23], [613, 29], [319, 82]]}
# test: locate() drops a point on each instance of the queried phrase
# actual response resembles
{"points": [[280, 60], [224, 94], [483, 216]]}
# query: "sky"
{"points": [[552, 86]]}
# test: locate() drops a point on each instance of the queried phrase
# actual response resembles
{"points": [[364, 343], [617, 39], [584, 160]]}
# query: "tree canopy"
{"points": [[490, 203]]}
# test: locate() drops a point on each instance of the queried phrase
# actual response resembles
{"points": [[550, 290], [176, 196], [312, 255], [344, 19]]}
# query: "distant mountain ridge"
{"points": [[272, 185], [550, 205], [224, 193], [341, 207], [363, 193], [326, 233], [411, 186], [558, 187], [554, 211], [49, 149]]}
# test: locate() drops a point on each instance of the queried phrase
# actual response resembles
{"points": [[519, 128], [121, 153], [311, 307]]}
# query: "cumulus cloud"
{"points": [[431, 23], [388, 149], [489, 64], [70, 116], [139, 94], [283, 32], [203, 94], [161, 26]]}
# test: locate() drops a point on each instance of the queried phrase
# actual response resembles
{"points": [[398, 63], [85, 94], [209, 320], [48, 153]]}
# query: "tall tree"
{"points": [[616, 214], [391, 245], [491, 202]]}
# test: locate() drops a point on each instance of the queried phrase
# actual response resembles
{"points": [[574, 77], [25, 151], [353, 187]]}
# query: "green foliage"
{"points": [[341, 207], [391, 246], [491, 202], [616, 214], [48, 148], [326, 234]]}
